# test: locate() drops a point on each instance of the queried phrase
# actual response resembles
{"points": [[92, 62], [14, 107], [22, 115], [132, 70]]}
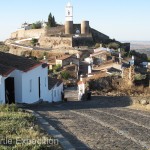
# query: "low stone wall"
{"points": [[39, 53], [55, 42], [23, 34]]}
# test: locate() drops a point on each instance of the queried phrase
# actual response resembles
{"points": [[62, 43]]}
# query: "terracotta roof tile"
{"points": [[10, 62], [52, 82]]}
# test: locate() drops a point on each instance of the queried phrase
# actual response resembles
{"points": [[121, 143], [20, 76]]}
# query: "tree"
{"points": [[34, 42], [49, 24], [56, 68], [113, 45], [51, 21], [37, 25], [65, 75]]}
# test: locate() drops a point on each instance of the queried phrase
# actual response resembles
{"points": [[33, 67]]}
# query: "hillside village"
{"points": [[85, 89], [70, 51]]}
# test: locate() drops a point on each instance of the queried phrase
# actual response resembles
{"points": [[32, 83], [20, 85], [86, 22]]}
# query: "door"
{"points": [[39, 87], [9, 90]]}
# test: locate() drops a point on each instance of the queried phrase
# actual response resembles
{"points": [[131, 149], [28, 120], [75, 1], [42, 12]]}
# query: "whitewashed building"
{"points": [[23, 80], [55, 87]]}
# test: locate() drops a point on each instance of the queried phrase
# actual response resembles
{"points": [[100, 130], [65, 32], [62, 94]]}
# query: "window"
{"points": [[45, 81], [54, 93], [30, 85]]}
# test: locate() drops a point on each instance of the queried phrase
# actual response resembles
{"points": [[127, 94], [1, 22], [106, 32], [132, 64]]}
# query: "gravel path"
{"points": [[94, 125]]}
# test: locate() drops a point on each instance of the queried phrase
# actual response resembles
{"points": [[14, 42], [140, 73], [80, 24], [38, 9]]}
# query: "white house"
{"points": [[55, 87], [22, 80], [81, 88]]}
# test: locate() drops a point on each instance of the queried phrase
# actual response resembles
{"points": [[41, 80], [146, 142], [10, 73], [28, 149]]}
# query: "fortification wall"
{"points": [[22, 34], [55, 42], [82, 41], [40, 53], [99, 37]]}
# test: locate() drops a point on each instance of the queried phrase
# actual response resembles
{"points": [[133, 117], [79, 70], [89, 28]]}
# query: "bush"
{"points": [[34, 42], [56, 68], [97, 45], [113, 45], [65, 75], [37, 25], [3, 47]]}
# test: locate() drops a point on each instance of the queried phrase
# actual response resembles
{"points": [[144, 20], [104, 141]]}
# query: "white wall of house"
{"points": [[26, 86], [81, 90], [2, 89], [55, 93], [30, 85]]}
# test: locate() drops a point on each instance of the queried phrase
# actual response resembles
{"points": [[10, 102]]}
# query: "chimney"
{"points": [[81, 77]]}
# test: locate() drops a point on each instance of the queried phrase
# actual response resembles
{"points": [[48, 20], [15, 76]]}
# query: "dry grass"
{"points": [[18, 126]]}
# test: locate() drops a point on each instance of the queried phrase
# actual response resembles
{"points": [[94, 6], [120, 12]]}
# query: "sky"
{"points": [[123, 20]]}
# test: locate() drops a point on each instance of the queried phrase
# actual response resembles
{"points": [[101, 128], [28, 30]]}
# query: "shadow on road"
{"points": [[95, 102]]}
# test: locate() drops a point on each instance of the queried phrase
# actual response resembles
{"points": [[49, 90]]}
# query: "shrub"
{"points": [[34, 42], [65, 75], [37, 25]]}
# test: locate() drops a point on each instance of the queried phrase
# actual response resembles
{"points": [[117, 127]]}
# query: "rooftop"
{"points": [[9, 62], [52, 82]]}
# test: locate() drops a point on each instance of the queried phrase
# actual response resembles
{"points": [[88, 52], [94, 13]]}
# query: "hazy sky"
{"points": [[119, 19]]}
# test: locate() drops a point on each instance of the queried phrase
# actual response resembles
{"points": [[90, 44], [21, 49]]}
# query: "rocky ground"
{"points": [[99, 124]]}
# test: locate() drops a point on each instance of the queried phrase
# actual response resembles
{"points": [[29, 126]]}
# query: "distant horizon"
{"points": [[120, 20]]}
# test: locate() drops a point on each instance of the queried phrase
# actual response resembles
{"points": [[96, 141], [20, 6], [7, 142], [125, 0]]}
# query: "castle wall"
{"points": [[20, 34], [69, 27], [82, 41], [55, 42], [99, 37], [40, 53], [85, 27]]}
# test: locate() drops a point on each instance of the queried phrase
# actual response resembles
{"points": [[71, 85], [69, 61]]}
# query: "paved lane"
{"points": [[92, 125]]}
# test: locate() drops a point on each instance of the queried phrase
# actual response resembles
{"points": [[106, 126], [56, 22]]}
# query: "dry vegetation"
{"points": [[17, 126]]}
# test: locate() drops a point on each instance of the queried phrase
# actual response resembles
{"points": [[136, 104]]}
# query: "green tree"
{"points": [[56, 68], [37, 25], [65, 75], [34, 42], [113, 45], [51, 21]]}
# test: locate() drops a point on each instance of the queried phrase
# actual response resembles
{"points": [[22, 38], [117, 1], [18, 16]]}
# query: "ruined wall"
{"points": [[55, 30], [21, 34], [55, 42], [82, 41], [99, 37], [128, 75], [40, 53]]}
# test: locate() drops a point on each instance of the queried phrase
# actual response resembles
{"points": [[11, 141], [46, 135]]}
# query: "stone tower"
{"points": [[69, 19], [85, 27]]}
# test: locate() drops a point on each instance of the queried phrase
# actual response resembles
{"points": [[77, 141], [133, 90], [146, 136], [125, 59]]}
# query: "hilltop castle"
{"points": [[68, 35]]}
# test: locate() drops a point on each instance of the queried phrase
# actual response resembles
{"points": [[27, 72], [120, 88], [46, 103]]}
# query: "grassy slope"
{"points": [[16, 124]]}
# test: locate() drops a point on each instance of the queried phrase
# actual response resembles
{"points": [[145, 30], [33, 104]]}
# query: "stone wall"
{"points": [[55, 42], [82, 41], [39, 53], [21, 34], [99, 37]]}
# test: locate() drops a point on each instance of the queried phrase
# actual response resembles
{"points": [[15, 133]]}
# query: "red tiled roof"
{"points": [[5, 70], [63, 57], [52, 82], [9, 62], [80, 82]]}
